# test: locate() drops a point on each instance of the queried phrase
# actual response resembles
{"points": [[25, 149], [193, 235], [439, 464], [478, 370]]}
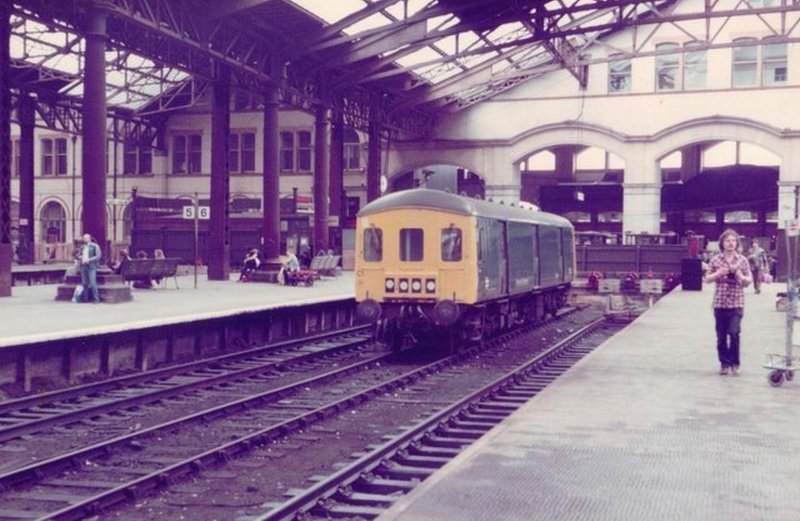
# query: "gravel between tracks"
{"points": [[249, 485]]}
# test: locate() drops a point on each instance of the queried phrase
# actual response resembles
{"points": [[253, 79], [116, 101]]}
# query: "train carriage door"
{"points": [[492, 270], [550, 255], [568, 244]]}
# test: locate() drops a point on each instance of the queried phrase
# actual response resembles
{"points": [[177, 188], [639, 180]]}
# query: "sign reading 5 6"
{"points": [[203, 212]]}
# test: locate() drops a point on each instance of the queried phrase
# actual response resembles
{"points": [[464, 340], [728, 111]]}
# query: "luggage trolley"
{"points": [[781, 366]]}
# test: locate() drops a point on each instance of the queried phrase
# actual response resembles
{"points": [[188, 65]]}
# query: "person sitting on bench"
{"points": [[250, 264]]}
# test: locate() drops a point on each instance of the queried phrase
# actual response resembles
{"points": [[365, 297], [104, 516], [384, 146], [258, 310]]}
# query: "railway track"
{"points": [[91, 479], [368, 486], [38, 412]]}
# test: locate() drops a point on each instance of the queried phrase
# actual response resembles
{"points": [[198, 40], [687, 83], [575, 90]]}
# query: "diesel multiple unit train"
{"points": [[431, 263]]}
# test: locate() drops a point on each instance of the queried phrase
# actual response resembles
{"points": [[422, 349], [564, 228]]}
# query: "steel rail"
{"points": [[155, 374], [36, 470], [36, 425], [326, 488], [220, 454]]}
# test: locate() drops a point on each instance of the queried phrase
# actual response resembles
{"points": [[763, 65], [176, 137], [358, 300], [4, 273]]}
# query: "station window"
{"points": [[667, 67], [242, 152], [774, 67], [451, 244], [137, 160], [352, 150], [619, 73], [296, 151], [54, 156], [694, 66], [411, 244], [745, 63], [373, 245], [54, 222], [187, 154]]}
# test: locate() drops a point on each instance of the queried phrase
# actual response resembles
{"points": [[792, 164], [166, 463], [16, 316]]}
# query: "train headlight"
{"points": [[430, 286], [388, 285], [403, 285], [416, 285]]}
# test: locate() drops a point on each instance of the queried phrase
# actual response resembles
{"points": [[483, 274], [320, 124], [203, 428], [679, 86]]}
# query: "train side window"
{"points": [[373, 245], [411, 244], [451, 244]]}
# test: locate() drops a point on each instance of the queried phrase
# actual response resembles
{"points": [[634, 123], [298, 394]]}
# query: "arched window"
{"points": [[352, 150], [54, 223], [745, 62], [667, 67], [694, 66]]}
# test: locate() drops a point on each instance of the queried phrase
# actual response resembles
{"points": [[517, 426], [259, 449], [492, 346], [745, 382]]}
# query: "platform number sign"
{"points": [[203, 212]]}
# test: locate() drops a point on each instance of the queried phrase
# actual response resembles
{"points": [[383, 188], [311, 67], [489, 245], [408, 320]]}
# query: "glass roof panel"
{"points": [[371, 22], [398, 11], [331, 11], [423, 55]]}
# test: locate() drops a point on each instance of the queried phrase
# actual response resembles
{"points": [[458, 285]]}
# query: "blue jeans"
{"points": [[89, 282], [728, 326]]}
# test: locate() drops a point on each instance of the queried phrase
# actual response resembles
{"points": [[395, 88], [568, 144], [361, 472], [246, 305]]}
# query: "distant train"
{"points": [[430, 263]]}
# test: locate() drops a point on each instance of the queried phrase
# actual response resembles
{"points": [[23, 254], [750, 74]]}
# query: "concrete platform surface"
{"points": [[32, 315], [642, 429]]}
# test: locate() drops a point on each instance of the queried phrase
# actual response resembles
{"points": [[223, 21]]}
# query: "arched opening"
{"points": [[712, 185], [448, 178], [582, 183], [53, 219]]}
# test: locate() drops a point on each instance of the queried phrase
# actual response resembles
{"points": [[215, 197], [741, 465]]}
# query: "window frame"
{"points": [[754, 61], [674, 63], [241, 153], [367, 249], [55, 157], [772, 43], [138, 156], [694, 48], [191, 154], [459, 238], [620, 58], [407, 237]]}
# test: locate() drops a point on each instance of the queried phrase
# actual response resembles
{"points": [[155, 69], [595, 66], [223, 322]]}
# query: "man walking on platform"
{"points": [[89, 260], [731, 273]]}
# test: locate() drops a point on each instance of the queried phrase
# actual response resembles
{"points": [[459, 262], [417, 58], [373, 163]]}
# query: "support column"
{"points": [[374, 160], [565, 163], [27, 120], [787, 203], [5, 152], [93, 158], [321, 178], [691, 157], [219, 251], [641, 208], [271, 198], [336, 197]]}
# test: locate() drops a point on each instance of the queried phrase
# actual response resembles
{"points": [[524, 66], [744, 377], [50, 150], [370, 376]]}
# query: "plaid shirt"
{"points": [[729, 294]]}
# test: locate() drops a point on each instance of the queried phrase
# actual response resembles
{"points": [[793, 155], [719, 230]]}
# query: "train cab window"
{"points": [[411, 244], [373, 245], [451, 244]]}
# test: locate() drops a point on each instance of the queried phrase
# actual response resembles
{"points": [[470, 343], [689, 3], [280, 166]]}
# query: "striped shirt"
{"points": [[729, 293]]}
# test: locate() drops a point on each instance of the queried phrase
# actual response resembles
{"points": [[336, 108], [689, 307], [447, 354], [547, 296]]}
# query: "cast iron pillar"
{"points": [[219, 234], [26, 112], [336, 197], [93, 157], [374, 161], [321, 178], [5, 152], [271, 200]]}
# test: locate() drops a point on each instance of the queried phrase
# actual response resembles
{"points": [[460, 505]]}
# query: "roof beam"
{"points": [[231, 7]]}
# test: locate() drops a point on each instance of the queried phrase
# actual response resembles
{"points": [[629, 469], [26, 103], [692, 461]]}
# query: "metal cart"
{"points": [[781, 366]]}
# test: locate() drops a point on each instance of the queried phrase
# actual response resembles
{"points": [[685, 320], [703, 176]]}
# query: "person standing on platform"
{"points": [[759, 265], [89, 259], [730, 271]]}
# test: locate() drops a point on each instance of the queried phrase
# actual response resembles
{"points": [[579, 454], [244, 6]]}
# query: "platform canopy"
{"points": [[400, 61]]}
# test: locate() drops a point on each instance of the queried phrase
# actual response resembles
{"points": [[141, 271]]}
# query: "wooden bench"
{"points": [[150, 269]]}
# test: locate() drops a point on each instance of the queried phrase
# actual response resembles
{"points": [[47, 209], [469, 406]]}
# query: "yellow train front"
{"points": [[430, 263]]}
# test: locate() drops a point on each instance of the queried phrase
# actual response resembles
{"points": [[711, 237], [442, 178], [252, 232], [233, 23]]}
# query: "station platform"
{"points": [[644, 428], [31, 315]]}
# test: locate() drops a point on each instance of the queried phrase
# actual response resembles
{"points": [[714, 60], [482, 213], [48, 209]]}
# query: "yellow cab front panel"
{"points": [[416, 255]]}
